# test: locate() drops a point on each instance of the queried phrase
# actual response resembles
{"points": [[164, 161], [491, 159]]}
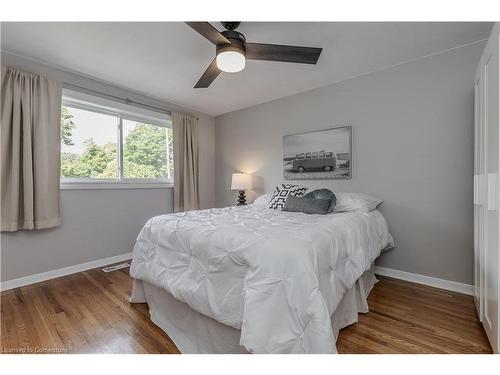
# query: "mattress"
{"points": [[259, 270]]}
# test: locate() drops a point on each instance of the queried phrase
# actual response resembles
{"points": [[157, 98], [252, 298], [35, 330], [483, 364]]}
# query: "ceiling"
{"points": [[164, 60]]}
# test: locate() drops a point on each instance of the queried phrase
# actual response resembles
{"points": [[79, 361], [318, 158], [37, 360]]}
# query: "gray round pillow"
{"points": [[323, 194]]}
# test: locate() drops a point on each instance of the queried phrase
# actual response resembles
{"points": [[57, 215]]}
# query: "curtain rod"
{"points": [[118, 98]]}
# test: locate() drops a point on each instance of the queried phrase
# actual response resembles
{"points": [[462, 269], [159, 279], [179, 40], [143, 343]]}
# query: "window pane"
{"points": [[88, 144], [147, 150]]}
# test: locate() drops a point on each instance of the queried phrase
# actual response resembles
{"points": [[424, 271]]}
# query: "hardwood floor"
{"points": [[412, 318], [89, 312]]}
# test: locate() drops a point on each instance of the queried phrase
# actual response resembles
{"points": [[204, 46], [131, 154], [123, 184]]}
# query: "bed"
{"points": [[252, 279]]}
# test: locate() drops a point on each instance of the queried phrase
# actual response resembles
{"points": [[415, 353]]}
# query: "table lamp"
{"points": [[241, 182]]}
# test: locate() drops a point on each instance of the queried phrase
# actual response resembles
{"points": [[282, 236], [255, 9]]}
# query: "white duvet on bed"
{"points": [[277, 276]]}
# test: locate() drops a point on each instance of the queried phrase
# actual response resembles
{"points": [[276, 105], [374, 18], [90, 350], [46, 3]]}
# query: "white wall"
{"points": [[98, 223], [412, 147]]}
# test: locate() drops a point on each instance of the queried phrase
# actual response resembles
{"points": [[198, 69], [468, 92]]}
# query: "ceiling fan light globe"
{"points": [[230, 61]]}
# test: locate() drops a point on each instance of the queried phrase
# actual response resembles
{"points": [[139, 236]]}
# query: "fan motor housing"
{"points": [[234, 35]]}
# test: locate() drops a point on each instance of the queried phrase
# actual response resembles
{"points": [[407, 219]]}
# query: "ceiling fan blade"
{"points": [[277, 52], [209, 32], [209, 76]]}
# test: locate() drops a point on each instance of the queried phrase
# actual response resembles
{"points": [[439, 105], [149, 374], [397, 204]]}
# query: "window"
{"points": [[88, 144], [103, 146], [146, 150]]}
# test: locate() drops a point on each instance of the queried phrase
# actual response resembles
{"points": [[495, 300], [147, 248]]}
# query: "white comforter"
{"points": [[277, 276]]}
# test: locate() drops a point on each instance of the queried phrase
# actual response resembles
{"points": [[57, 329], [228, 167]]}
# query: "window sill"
{"points": [[114, 185]]}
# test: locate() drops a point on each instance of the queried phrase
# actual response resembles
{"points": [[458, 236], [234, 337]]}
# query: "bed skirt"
{"points": [[196, 333]]}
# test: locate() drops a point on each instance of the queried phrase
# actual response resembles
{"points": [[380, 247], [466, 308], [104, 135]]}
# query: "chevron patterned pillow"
{"points": [[282, 192]]}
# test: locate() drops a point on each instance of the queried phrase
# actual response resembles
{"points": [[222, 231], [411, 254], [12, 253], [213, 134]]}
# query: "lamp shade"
{"points": [[241, 181], [230, 61], [230, 57]]}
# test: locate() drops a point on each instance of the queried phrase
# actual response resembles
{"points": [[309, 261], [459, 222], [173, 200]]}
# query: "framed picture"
{"points": [[318, 155]]}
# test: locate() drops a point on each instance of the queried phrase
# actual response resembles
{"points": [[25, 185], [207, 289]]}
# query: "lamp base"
{"points": [[242, 201]]}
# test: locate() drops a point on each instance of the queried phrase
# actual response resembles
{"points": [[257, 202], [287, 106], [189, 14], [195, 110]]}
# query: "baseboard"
{"points": [[454, 286], [44, 276]]}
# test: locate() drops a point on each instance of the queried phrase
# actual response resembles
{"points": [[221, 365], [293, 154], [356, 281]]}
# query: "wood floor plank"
{"points": [[89, 312]]}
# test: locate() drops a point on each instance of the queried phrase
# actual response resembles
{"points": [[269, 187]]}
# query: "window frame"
{"points": [[122, 112]]}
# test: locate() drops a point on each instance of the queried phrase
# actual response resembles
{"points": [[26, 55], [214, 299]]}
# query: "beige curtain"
{"points": [[186, 169], [30, 150]]}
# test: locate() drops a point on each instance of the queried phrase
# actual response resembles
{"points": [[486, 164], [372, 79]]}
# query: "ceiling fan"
{"points": [[232, 51]]}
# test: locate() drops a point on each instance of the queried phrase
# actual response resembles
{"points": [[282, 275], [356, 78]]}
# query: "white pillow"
{"points": [[355, 201], [263, 200]]}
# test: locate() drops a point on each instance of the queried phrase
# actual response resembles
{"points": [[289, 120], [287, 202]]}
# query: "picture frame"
{"points": [[318, 155]]}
